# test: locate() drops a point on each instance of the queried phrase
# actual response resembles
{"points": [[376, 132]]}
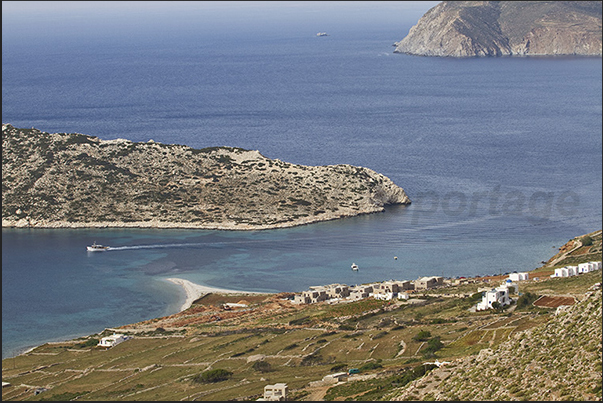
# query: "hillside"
{"points": [[75, 180], [525, 352], [506, 28], [559, 360], [579, 249]]}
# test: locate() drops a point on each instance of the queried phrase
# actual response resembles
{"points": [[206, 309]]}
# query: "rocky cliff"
{"points": [[75, 180], [506, 28]]}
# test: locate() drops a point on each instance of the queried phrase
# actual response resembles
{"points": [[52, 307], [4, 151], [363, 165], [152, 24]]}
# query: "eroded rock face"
{"points": [[506, 28], [75, 180]]}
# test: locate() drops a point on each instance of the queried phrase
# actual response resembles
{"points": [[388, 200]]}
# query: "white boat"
{"points": [[321, 34], [96, 248], [354, 266]]}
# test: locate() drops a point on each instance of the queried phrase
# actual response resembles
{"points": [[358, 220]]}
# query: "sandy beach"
{"points": [[195, 291]]}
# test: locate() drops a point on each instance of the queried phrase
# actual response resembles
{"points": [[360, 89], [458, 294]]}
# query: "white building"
{"points": [[424, 283], [584, 268], [112, 340], [519, 276], [335, 378], [337, 291], [385, 296], [511, 285], [588, 267], [360, 292], [312, 296], [386, 290], [276, 392], [561, 272], [499, 294]]}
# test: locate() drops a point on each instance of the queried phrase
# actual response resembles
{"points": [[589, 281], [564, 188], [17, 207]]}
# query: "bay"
{"points": [[500, 156]]}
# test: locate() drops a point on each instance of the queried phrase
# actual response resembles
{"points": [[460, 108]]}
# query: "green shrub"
{"points": [[88, 343], [438, 321], [433, 345], [300, 321], [212, 376], [370, 365], [476, 297], [262, 366], [380, 335], [338, 367], [311, 359], [526, 300], [586, 240], [423, 335]]}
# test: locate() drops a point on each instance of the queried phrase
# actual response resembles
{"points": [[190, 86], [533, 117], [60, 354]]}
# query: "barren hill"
{"points": [[75, 180], [506, 28]]}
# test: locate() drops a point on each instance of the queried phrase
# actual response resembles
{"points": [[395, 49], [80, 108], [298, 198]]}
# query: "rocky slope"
{"points": [[506, 28], [560, 360], [75, 180]]}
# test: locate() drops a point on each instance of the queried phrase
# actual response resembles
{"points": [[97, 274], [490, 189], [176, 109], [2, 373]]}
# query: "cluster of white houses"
{"points": [[386, 290], [392, 289], [501, 293], [569, 271]]}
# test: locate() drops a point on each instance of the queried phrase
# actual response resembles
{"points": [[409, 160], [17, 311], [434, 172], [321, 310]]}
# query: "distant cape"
{"points": [[506, 28]]}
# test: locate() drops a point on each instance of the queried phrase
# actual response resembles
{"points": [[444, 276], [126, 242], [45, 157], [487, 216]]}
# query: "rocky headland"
{"points": [[74, 180], [506, 28]]}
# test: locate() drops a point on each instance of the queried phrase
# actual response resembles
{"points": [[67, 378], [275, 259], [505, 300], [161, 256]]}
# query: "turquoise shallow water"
{"points": [[501, 157]]}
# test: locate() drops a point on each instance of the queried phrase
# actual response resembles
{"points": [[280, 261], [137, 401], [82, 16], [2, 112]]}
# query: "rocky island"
{"points": [[506, 28], [74, 180]]}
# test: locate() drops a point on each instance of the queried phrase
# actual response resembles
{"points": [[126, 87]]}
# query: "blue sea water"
{"points": [[500, 156]]}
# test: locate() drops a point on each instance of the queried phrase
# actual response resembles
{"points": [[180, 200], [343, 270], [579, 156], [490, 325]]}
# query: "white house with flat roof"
{"points": [[276, 392], [335, 378], [424, 283], [360, 291], [499, 294], [583, 267], [386, 290], [113, 340], [561, 272], [588, 267], [519, 276]]}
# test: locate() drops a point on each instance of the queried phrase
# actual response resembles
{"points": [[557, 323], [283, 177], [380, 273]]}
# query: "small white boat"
{"points": [[96, 248], [321, 34], [354, 266]]}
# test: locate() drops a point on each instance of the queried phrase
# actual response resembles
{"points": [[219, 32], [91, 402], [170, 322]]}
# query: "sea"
{"points": [[501, 157]]}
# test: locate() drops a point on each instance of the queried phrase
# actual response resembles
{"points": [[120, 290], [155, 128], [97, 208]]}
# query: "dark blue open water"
{"points": [[501, 157]]}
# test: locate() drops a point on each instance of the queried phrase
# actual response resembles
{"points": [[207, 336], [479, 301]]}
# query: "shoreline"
{"points": [[223, 226], [195, 291]]}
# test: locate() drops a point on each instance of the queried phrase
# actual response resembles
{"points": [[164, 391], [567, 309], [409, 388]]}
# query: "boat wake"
{"points": [[156, 246]]}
